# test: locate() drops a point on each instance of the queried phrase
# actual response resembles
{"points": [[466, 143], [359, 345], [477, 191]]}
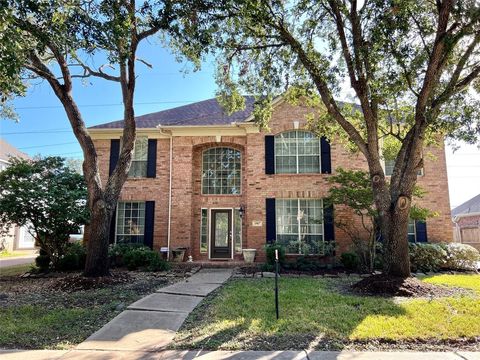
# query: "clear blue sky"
{"points": [[44, 129]]}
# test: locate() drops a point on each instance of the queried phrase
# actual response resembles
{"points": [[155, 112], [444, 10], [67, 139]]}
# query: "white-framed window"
{"points": [[237, 230], [130, 225], [204, 230], [297, 152], [412, 231], [299, 225], [138, 169], [390, 164], [221, 171]]}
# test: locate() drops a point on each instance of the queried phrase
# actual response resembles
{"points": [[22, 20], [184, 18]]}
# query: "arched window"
{"points": [[221, 171], [297, 152]]}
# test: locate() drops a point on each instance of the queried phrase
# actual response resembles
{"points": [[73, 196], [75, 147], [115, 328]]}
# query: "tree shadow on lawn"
{"points": [[314, 314]]}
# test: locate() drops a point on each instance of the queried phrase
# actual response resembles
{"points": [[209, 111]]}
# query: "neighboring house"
{"points": [[17, 237], [466, 218], [215, 184]]}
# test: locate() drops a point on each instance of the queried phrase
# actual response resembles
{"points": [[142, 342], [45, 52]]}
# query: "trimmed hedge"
{"points": [[451, 256]]}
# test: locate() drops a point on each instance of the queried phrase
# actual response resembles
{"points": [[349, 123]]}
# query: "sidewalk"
{"points": [[17, 260], [232, 355], [150, 324]]}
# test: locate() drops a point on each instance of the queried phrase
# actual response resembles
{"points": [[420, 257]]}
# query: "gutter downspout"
{"points": [[169, 228]]}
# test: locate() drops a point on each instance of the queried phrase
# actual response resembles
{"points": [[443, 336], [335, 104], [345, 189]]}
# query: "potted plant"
{"points": [[178, 254], [249, 255]]}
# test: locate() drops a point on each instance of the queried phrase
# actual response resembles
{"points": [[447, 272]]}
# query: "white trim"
{"points": [[296, 152], [201, 224], [298, 221], [144, 217], [459, 216], [169, 226]]}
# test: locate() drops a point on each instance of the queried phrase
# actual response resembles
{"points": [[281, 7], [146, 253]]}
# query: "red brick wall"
{"points": [[187, 199]]}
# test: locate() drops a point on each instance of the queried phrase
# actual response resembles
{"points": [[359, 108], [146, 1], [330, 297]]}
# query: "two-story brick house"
{"points": [[215, 184]]}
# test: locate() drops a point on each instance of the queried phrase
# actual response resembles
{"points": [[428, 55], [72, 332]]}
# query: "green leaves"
{"points": [[45, 195]]}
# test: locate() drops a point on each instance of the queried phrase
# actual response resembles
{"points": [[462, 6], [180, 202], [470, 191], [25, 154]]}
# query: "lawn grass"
{"points": [[10, 254], [35, 315], [15, 270], [318, 313]]}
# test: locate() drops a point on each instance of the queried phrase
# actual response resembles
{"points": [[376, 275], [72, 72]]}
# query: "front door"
{"points": [[221, 239]]}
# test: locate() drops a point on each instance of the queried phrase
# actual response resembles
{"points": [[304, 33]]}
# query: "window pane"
{"points": [[204, 231], [297, 152], [300, 225], [130, 222], [221, 171], [237, 225], [389, 165]]}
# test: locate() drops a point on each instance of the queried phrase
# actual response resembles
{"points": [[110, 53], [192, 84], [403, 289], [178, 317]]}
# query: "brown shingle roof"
{"points": [[7, 151], [207, 112]]}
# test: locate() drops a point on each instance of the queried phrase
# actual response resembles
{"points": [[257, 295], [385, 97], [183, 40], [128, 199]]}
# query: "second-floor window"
{"points": [[297, 152], [138, 169], [390, 164], [221, 171]]}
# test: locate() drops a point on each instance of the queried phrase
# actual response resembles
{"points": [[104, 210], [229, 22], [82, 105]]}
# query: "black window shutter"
{"points": [[113, 223], [149, 223], [326, 156], [421, 230], [152, 158], [328, 224], [270, 220], [269, 154], [114, 153]]}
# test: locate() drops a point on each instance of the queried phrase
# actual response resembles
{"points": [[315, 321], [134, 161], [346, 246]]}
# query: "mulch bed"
{"points": [[78, 282], [406, 287]]}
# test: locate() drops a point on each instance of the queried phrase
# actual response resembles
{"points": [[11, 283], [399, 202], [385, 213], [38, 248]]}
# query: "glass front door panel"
{"points": [[221, 229]]}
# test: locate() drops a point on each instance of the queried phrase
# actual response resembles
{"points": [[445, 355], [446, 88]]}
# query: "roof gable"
{"points": [[468, 207], [7, 151]]}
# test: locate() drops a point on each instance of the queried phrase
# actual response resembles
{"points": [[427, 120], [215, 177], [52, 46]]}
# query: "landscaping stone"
{"points": [[268, 274], [135, 330], [185, 288], [166, 302]]}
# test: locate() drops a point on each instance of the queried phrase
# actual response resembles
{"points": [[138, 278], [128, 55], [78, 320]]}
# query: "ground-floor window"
{"points": [[412, 234], [130, 222], [300, 225], [236, 230]]}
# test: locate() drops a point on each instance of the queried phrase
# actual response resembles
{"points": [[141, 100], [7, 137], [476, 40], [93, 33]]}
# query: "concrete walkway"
{"points": [[232, 355], [151, 323]]}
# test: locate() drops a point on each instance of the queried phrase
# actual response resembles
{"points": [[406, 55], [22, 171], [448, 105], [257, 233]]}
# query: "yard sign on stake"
{"points": [[276, 282]]}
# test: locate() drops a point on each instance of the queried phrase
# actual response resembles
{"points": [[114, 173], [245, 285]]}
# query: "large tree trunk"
{"points": [[98, 233], [394, 225]]}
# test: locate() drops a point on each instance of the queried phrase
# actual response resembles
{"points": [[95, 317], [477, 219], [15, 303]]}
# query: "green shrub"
{"points": [[270, 253], [157, 264], [74, 258], [460, 256], [306, 264], [350, 260], [42, 262], [144, 258], [426, 257], [117, 252], [267, 267]]}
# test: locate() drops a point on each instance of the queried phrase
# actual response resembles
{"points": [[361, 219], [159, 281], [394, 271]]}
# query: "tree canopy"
{"points": [[45, 195]]}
